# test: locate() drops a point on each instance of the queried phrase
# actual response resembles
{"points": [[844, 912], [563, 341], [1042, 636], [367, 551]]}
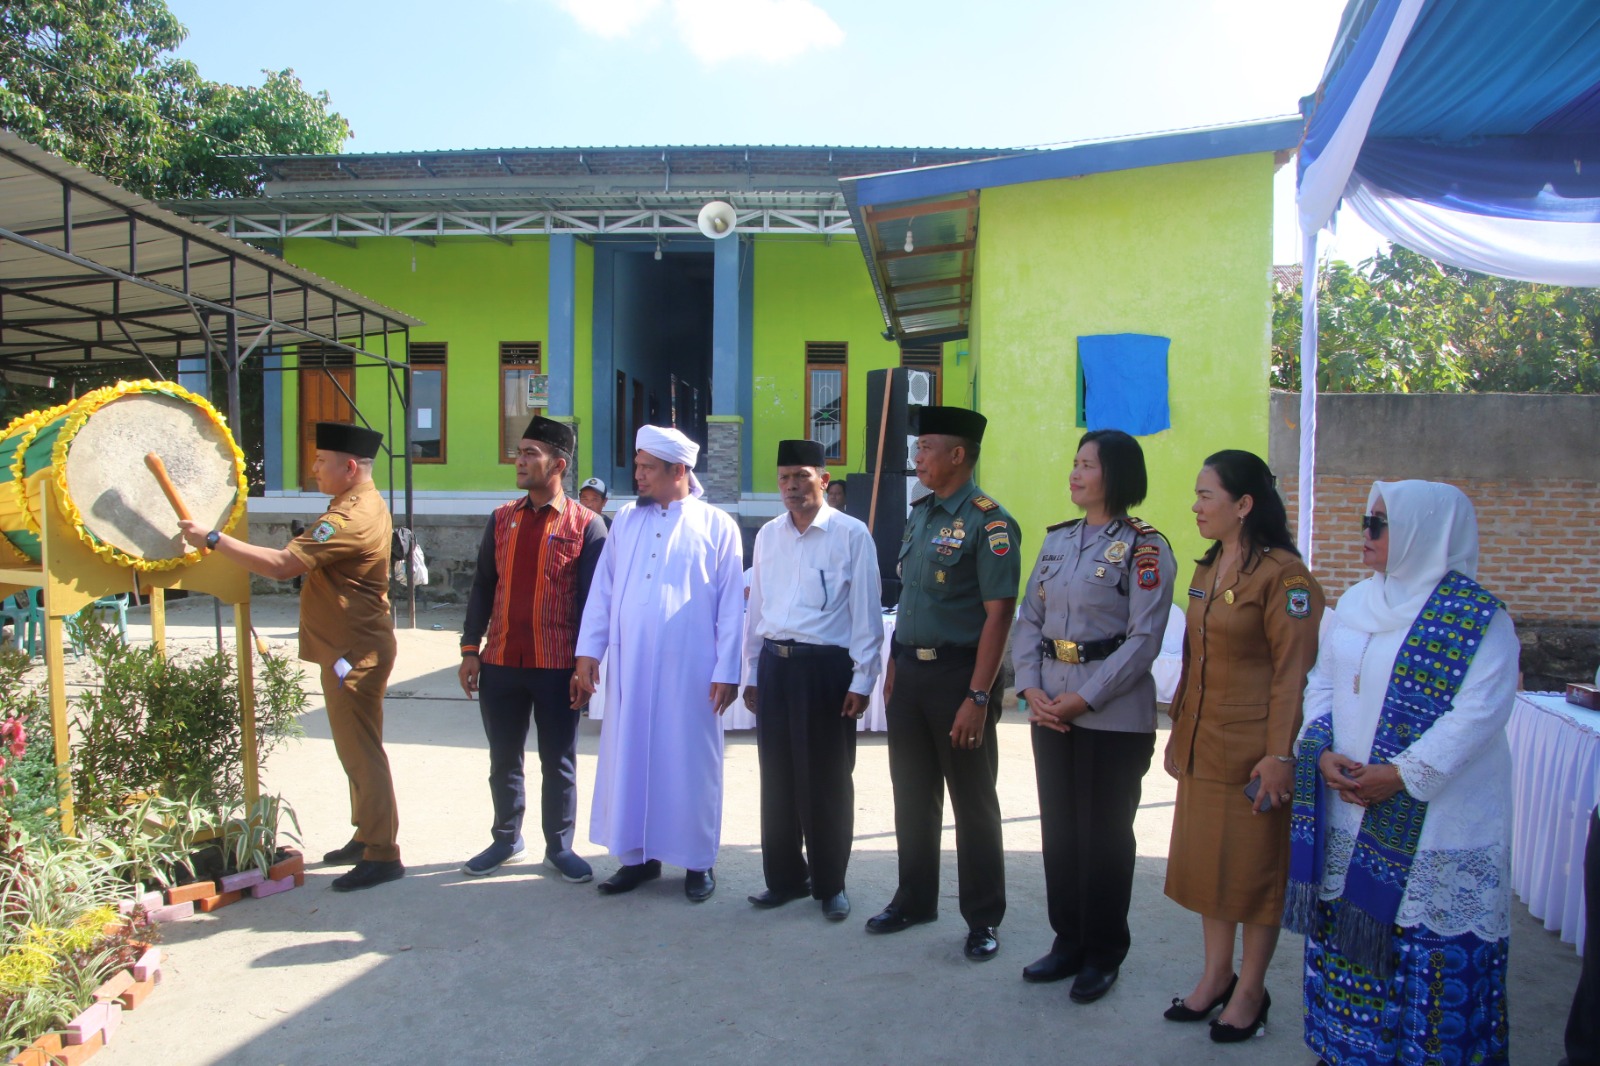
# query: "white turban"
{"points": [[672, 446]]}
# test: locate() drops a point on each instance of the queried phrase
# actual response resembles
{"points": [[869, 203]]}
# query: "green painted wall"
{"points": [[1181, 251], [808, 290], [473, 293]]}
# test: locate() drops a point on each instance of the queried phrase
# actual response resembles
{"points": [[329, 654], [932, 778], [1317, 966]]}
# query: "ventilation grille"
{"points": [[827, 351], [428, 354], [520, 353]]}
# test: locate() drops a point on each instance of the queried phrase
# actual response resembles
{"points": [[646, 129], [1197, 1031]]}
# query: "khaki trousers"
{"points": [[355, 717]]}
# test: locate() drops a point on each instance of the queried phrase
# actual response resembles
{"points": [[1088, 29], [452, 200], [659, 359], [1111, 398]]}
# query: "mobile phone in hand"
{"points": [[1253, 789]]}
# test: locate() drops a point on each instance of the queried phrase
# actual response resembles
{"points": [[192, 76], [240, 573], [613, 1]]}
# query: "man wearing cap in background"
{"points": [[346, 629], [535, 563], [813, 645], [592, 494], [668, 606], [959, 572]]}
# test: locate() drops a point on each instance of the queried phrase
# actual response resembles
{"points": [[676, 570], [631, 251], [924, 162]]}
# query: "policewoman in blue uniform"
{"points": [[1090, 625], [959, 570]]}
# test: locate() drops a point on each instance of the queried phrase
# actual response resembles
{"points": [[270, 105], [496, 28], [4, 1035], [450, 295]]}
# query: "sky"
{"points": [[434, 74]]}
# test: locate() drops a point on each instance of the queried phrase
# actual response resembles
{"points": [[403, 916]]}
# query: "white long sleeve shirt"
{"points": [[820, 586]]}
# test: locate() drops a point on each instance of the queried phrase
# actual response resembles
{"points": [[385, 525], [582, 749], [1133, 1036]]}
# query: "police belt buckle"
{"points": [[927, 655], [1067, 651], [780, 650]]}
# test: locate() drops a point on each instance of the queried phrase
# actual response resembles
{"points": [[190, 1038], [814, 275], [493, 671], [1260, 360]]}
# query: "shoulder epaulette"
{"points": [[1144, 527], [922, 500], [1063, 525], [984, 504]]}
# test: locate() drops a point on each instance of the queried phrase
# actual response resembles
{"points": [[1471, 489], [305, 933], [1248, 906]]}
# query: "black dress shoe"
{"points": [[348, 855], [892, 919], [1182, 1012], [836, 908], [628, 878], [1222, 1033], [982, 944], [1092, 983], [767, 898], [1051, 966], [367, 873], [699, 884]]}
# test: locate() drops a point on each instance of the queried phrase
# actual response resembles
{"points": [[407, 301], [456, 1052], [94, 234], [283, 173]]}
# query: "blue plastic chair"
{"points": [[118, 604], [26, 614]]}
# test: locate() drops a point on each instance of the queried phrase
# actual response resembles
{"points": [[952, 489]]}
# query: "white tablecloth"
{"points": [[1555, 760], [737, 717]]}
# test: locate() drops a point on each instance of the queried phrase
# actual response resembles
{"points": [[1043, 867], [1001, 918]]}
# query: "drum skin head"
{"points": [[119, 499]]}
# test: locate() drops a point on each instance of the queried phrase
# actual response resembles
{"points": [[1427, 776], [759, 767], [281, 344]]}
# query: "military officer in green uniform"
{"points": [[959, 569]]}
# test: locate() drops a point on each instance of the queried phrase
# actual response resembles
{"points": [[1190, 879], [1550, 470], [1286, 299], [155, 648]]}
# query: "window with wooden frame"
{"points": [[928, 358], [522, 385], [427, 361], [827, 376]]}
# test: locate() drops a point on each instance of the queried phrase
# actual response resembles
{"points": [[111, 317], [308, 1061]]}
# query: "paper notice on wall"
{"points": [[424, 418]]}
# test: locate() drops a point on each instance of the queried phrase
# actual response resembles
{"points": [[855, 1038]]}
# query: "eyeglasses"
{"points": [[1373, 525]]}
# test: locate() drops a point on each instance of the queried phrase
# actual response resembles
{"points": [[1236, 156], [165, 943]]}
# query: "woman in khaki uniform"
{"points": [[1253, 618]]}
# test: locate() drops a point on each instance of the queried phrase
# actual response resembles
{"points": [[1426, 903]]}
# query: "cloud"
{"points": [[716, 30], [609, 18]]}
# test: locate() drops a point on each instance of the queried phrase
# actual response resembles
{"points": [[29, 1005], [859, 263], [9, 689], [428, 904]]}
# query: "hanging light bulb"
{"points": [[910, 246], [658, 251]]}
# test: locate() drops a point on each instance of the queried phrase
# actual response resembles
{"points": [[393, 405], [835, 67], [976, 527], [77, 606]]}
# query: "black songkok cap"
{"points": [[359, 441], [801, 453], [558, 435], [949, 421]]}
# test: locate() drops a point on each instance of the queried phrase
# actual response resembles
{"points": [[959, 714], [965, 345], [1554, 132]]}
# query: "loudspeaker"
{"points": [[894, 491], [717, 220], [907, 389]]}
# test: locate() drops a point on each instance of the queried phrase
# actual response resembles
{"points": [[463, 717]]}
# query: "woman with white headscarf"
{"points": [[1400, 868]]}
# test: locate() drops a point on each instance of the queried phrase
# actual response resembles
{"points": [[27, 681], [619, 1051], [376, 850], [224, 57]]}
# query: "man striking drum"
{"points": [[345, 628]]}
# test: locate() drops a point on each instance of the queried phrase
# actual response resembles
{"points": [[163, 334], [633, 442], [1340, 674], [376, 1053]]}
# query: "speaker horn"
{"points": [[717, 219]]}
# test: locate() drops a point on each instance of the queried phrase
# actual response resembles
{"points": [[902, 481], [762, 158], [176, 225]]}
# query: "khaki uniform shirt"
{"points": [[1090, 585], [1246, 652], [344, 601], [957, 553]]}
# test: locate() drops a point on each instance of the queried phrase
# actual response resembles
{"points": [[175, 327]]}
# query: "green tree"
{"points": [[1401, 322], [95, 82]]}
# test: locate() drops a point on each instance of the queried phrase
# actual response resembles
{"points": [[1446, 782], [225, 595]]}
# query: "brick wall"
{"points": [[1528, 463], [1539, 540]]}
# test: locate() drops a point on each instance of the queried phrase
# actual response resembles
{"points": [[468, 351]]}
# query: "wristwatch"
{"points": [[978, 696], [212, 538]]}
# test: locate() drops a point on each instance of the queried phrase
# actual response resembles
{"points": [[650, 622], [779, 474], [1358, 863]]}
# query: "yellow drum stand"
{"points": [[73, 576]]}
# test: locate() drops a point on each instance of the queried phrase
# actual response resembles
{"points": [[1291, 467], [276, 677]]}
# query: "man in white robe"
{"points": [[666, 608]]}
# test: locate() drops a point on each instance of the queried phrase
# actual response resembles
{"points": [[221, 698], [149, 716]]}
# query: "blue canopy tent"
{"points": [[1460, 129]]}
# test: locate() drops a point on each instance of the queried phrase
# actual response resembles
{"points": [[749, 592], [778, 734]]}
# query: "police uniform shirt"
{"points": [[344, 600], [957, 553], [1092, 584]]}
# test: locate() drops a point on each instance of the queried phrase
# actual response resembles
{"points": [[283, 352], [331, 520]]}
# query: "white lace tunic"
{"points": [[1461, 878]]}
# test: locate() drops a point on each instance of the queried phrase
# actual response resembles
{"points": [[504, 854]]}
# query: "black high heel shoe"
{"points": [[1182, 1012], [1222, 1033]]}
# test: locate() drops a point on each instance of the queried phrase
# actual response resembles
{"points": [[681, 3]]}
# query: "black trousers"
{"points": [[808, 753], [1089, 788], [922, 709], [507, 697], [1583, 1024]]}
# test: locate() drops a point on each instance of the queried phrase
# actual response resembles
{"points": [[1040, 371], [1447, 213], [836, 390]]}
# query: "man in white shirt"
{"points": [[666, 612], [813, 645]]}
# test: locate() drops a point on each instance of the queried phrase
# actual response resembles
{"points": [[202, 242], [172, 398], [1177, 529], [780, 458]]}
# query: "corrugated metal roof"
{"points": [[60, 303]]}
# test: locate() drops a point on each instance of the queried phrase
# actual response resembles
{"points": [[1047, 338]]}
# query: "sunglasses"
{"points": [[1373, 525]]}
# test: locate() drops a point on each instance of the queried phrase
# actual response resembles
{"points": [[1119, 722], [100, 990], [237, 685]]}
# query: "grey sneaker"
{"points": [[492, 858], [570, 866]]}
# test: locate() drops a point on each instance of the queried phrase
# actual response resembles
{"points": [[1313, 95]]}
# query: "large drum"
{"points": [[94, 449]]}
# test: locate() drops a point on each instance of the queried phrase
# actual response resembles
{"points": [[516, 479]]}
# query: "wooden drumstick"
{"points": [[159, 469]]}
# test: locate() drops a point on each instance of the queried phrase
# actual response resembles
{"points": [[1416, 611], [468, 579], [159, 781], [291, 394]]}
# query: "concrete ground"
{"points": [[524, 967]]}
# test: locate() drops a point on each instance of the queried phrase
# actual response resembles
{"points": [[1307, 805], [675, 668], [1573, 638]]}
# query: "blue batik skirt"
{"points": [[1445, 1004]]}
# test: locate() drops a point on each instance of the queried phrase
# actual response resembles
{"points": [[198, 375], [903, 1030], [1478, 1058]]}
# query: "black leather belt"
{"points": [[793, 649], [1080, 651], [928, 655]]}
